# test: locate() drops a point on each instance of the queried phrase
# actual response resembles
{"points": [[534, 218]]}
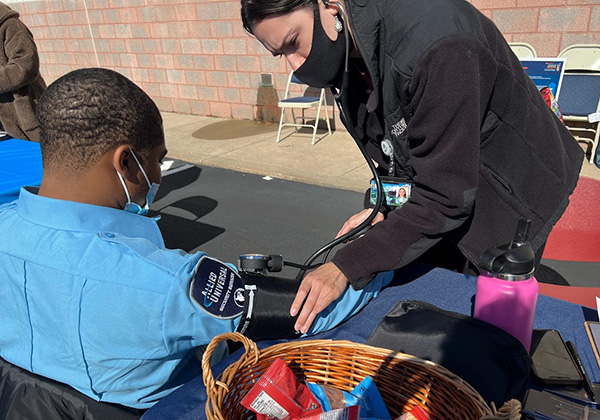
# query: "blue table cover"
{"points": [[445, 289], [20, 165]]}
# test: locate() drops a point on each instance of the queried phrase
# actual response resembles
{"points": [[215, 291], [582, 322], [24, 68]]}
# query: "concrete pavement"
{"points": [[248, 146]]}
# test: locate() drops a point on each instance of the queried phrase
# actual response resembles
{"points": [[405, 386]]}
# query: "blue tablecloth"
{"points": [[445, 289], [20, 165]]}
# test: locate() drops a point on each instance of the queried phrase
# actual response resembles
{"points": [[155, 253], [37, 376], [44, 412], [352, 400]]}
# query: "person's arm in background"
{"points": [[450, 88], [23, 61]]}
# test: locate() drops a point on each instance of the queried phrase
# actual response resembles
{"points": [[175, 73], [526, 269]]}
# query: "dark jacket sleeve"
{"points": [[23, 62], [450, 90]]}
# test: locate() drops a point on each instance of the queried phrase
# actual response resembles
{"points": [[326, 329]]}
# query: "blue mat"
{"points": [[20, 165]]}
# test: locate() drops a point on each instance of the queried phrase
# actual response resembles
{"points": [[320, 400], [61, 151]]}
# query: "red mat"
{"points": [[576, 236]]}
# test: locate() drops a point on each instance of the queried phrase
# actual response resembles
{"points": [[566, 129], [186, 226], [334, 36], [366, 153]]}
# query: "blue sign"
{"points": [[545, 72]]}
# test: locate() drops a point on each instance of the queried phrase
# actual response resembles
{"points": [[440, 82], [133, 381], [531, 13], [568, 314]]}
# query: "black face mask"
{"points": [[324, 66]]}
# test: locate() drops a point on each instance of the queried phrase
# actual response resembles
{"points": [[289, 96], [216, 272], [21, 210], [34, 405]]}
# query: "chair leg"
{"points": [[316, 124], [595, 145], [280, 126], [327, 119]]}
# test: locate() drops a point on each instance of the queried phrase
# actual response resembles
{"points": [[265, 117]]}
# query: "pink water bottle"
{"points": [[507, 291]]}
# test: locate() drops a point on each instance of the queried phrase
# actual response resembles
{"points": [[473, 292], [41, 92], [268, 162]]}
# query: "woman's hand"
{"points": [[323, 286], [357, 219]]}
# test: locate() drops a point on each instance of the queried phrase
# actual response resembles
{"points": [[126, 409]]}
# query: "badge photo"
{"points": [[217, 289]]}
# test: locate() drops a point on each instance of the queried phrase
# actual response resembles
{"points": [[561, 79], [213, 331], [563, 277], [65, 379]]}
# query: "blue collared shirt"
{"points": [[91, 297]]}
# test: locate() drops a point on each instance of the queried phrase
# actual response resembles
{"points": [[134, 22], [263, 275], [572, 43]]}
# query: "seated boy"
{"points": [[90, 296]]}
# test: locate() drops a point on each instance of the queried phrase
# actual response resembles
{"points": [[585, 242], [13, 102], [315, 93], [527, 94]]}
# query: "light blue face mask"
{"points": [[131, 206]]}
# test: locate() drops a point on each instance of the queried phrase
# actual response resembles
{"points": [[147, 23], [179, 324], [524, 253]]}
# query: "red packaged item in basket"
{"points": [[279, 395]]}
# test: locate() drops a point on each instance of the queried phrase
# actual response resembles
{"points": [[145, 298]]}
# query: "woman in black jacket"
{"points": [[434, 93]]}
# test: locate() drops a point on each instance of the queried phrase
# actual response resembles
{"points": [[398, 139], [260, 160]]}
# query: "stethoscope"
{"points": [[341, 101]]}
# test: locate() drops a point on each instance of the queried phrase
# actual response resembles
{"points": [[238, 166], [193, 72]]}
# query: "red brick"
{"points": [[158, 75], [95, 16], [118, 45], [245, 112], [128, 15], [207, 93], [175, 76], [135, 45], [568, 19], [181, 106], [248, 96], [185, 12], [494, 4], [521, 20], [123, 30], [204, 62], [146, 61], [178, 30], [164, 104], [220, 109], [229, 10], [65, 18], [221, 29], [230, 95], [239, 79], [140, 30], [129, 60], [185, 62], [579, 38], [152, 89], [168, 90], [112, 16], [147, 14], [248, 63], [235, 47], [79, 17], [198, 29], [207, 11], [225, 62], [187, 91], [546, 45], [200, 107], [195, 77], [159, 30], [107, 31], [191, 46], [151, 46], [540, 3], [140, 75], [164, 61], [100, 4], [212, 46], [216, 78], [165, 13], [170, 46]]}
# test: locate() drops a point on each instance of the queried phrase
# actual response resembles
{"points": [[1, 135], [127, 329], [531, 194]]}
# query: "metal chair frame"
{"points": [[303, 103]]}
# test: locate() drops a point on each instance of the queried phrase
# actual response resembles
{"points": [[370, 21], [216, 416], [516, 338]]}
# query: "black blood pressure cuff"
{"points": [[267, 304]]}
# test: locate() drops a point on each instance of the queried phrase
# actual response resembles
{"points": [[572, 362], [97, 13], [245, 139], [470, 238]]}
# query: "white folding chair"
{"points": [[303, 103], [522, 49], [579, 98]]}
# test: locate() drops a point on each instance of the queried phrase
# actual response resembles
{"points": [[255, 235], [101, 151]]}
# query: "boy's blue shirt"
{"points": [[92, 298]]}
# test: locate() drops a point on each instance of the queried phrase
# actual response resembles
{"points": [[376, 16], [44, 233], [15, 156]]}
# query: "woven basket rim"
{"points": [[217, 389]]}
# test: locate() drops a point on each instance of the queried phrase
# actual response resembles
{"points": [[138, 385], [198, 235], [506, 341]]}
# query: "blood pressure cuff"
{"points": [[491, 360], [267, 306]]}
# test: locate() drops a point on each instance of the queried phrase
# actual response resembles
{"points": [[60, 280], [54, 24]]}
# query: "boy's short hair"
{"points": [[87, 112]]}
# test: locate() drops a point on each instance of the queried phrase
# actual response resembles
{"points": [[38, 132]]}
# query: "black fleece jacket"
{"points": [[469, 128]]}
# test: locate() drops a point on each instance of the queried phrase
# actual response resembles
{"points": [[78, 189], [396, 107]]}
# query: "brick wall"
{"points": [[194, 57]]}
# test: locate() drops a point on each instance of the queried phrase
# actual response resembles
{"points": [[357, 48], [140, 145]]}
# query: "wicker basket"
{"points": [[403, 380]]}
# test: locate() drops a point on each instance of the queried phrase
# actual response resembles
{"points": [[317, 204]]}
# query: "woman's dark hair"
{"points": [[253, 11]]}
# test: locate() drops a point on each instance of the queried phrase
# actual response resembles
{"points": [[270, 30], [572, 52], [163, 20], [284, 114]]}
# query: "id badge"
{"points": [[396, 191]]}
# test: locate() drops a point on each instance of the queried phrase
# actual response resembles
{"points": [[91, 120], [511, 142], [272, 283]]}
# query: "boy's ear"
{"points": [[122, 161]]}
